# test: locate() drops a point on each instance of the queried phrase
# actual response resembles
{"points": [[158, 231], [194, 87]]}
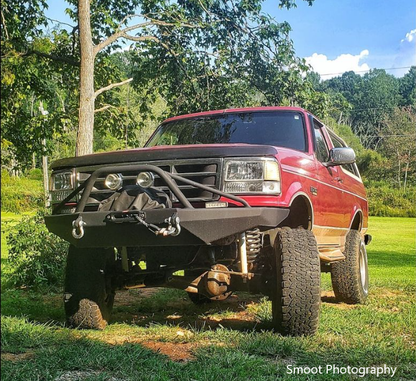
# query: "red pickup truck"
{"points": [[256, 199]]}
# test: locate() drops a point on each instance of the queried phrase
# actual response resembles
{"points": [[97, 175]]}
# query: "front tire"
{"points": [[297, 297], [88, 293], [350, 276]]}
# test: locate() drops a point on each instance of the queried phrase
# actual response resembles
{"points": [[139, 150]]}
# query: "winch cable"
{"points": [[173, 229]]}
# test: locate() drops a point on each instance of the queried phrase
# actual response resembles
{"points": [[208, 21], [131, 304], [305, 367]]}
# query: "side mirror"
{"points": [[340, 156]]}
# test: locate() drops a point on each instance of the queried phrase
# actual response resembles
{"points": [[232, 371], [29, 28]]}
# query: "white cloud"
{"points": [[410, 36], [332, 68], [406, 55]]}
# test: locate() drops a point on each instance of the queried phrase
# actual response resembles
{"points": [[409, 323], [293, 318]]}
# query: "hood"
{"points": [[166, 153]]}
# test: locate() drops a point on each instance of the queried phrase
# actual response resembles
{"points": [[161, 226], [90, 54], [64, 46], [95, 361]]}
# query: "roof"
{"points": [[235, 110]]}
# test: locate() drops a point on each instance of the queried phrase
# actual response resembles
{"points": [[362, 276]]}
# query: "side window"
{"points": [[321, 148]]}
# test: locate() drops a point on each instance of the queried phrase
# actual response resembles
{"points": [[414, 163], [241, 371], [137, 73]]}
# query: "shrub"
{"points": [[35, 174], [386, 201], [36, 257], [21, 194]]}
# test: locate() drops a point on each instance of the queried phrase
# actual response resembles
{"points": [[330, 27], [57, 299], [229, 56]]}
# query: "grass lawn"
{"points": [[161, 335]]}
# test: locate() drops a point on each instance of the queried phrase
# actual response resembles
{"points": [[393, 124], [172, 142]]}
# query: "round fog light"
{"points": [[113, 181], [145, 179]]}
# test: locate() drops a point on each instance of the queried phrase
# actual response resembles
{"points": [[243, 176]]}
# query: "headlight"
{"points": [[113, 181], [62, 181], [252, 176]]}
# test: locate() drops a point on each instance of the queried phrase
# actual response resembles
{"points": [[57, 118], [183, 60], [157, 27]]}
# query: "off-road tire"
{"points": [[297, 294], [350, 276], [88, 292]]}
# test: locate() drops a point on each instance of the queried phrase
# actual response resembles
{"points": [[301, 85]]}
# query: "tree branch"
{"points": [[149, 38], [106, 107], [111, 86], [61, 22], [114, 37], [52, 57], [3, 21], [123, 32]]}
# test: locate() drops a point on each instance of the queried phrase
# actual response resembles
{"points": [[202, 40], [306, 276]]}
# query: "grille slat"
{"points": [[203, 171]]}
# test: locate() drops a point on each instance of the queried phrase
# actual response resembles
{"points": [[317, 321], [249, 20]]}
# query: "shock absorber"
{"points": [[254, 244]]}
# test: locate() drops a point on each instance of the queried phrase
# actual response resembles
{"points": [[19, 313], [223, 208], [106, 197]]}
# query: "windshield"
{"points": [[276, 128]]}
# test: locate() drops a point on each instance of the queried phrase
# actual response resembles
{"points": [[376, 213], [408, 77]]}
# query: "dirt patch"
{"points": [[386, 293], [179, 352], [327, 294], [16, 357], [329, 297], [231, 313], [345, 306], [129, 297]]}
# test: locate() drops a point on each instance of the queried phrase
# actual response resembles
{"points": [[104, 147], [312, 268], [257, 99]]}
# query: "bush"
{"points": [[36, 257], [21, 194], [35, 174], [386, 201]]}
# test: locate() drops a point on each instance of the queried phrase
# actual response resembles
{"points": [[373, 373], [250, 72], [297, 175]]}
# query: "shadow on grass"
{"points": [[173, 307], [169, 307], [391, 259], [144, 307], [246, 349]]}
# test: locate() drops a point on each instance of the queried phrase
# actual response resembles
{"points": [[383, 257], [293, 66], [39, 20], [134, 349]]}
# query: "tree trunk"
{"points": [[45, 175], [399, 173], [87, 98], [406, 171]]}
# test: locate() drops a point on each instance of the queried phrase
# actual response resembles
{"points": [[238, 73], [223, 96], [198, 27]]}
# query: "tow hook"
{"points": [[78, 228], [173, 229]]}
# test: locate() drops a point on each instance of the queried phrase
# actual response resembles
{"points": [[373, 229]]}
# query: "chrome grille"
{"points": [[203, 171]]}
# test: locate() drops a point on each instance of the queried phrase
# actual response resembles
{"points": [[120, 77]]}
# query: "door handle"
{"points": [[339, 179]]}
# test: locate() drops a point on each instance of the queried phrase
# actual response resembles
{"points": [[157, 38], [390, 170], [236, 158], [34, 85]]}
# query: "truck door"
{"points": [[329, 193], [351, 183]]}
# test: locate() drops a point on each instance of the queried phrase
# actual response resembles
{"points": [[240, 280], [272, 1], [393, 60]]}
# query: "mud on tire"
{"points": [[297, 298], [88, 293], [350, 276]]}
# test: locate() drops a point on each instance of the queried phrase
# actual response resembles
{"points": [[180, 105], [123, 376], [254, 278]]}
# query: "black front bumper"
{"points": [[198, 226]]}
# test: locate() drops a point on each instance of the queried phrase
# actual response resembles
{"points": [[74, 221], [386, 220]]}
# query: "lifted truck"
{"points": [[258, 199]]}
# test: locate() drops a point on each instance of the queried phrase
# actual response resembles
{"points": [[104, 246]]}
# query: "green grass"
{"points": [[220, 341]]}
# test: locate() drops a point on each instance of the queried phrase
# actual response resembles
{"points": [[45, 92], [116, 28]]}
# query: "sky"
{"points": [[335, 36]]}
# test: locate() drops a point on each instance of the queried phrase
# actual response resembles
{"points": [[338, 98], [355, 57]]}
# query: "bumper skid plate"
{"points": [[132, 228]]}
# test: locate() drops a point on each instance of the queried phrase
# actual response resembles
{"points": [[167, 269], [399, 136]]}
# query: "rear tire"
{"points": [[89, 294], [350, 276], [297, 297]]}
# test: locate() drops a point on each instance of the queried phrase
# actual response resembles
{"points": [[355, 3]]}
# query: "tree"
{"points": [[408, 88], [226, 35], [399, 143], [208, 54], [24, 87], [376, 97]]}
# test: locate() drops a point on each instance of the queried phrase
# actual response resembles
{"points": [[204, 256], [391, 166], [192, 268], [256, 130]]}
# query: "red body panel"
{"points": [[335, 195]]}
